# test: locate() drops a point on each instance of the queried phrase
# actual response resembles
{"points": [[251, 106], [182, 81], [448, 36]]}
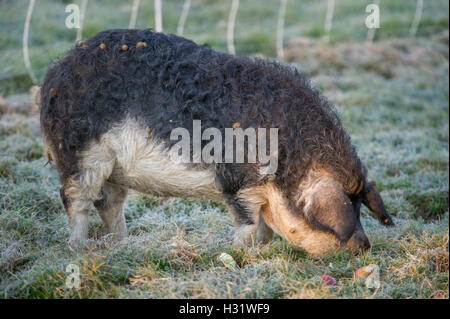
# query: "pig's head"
{"points": [[319, 216]]}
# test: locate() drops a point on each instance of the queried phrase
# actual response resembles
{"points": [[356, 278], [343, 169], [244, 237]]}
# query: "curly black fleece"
{"points": [[172, 81]]}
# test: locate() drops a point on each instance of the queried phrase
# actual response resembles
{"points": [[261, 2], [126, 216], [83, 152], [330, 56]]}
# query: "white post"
{"points": [[158, 16], [26, 55], [183, 17], [329, 19], [82, 15], [280, 29], [134, 13], [231, 23], [371, 32], [417, 17]]}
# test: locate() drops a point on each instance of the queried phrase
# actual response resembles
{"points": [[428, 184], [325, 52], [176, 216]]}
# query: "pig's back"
{"points": [[163, 81]]}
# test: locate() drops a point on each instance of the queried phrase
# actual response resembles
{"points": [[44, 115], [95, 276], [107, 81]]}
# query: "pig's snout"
{"points": [[359, 242]]}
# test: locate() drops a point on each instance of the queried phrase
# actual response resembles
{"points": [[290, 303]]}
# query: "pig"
{"points": [[108, 108]]}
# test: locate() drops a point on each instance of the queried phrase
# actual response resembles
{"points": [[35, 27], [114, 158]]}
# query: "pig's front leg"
{"points": [[250, 228], [264, 234]]}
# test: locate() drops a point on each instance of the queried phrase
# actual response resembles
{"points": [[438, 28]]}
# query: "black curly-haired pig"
{"points": [[108, 108]]}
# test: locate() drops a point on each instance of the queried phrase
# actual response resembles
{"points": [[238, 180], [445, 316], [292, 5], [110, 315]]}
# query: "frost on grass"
{"points": [[393, 98]]}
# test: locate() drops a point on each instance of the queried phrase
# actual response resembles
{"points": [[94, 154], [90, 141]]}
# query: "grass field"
{"points": [[393, 97]]}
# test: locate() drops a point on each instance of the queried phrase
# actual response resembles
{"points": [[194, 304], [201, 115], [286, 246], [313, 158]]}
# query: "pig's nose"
{"points": [[361, 241]]}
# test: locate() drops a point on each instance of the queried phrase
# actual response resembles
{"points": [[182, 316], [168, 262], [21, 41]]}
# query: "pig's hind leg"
{"points": [[78, 193], [110, 209], [77, 209], [80, 190]]}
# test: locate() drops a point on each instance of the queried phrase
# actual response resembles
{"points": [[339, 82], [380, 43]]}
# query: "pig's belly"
{"points": [[157, 176], [143, 164]]}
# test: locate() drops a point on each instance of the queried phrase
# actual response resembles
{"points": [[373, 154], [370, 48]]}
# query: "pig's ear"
{"points": [[372, 199], [329, 209]]}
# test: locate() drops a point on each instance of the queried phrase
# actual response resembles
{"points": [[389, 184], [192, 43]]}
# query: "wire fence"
{"points": [[230, 34]]}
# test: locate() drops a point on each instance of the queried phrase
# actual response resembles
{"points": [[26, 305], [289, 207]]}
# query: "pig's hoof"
{"points": [[240, 242], [264, 234], [245, 236], [120, 236], [264, 238], [116, 236], [77, 244]]}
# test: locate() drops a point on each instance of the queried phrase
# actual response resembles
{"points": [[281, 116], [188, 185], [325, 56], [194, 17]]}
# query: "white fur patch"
{"points": [[126, 156]]}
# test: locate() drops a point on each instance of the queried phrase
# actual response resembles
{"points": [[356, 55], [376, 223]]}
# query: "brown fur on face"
{"points": [[326, 206], [293, 227], [325, 221], [276, 214]]}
